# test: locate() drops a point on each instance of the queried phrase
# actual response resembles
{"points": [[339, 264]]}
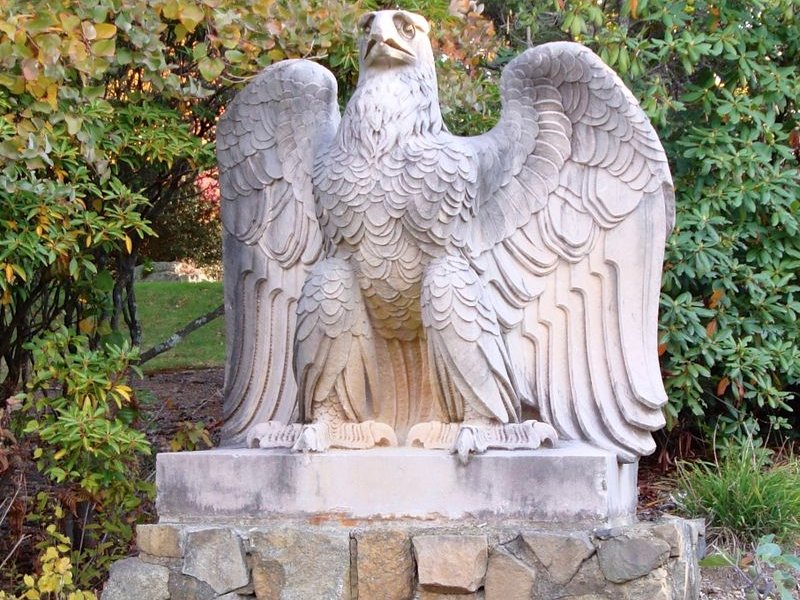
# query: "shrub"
{"points": [[743, 494], [79, 411]]}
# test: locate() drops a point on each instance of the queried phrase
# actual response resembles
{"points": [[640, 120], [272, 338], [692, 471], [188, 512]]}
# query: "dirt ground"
{"points": [[170, 398]]}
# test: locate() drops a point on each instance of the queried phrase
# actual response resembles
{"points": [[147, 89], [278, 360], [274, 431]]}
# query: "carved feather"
{"points": [[265, 148], [577, 266]]}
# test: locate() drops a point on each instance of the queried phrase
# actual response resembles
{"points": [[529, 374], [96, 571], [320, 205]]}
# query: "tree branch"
{"points": [[178, 336]]}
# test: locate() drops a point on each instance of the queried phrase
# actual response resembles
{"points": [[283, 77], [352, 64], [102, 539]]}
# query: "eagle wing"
{"points": [[266, 145], [575, 206]]}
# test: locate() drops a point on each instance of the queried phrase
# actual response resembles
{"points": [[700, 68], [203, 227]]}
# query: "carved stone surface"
{"points": [[383, 276], [575, 482]]}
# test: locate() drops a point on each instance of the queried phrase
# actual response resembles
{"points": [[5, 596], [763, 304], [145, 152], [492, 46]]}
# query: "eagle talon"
{"points": [[476, 439]]}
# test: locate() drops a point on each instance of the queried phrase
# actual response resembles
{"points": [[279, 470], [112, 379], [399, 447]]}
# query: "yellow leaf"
{"points": [[9, 273], [5, 300], [105, 30], [86, 325], [58, 455], [124, 391], [190, 16], [29, 581], [128, 244], [52, 96], [170, 10]]}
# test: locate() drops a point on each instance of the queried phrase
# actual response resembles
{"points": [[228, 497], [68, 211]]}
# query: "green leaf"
{"points": [[210, 68]]}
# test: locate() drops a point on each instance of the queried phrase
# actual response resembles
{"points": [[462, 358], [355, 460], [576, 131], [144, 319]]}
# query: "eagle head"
{"points": [[394, 38]]}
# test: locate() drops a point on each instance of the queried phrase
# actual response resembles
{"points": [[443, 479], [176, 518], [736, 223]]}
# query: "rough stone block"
{"points": [[587, 581], [625, 558], [508, 578], [384, 565], [216, 557], [672, 532], [653, 586], [428, 595], [185, 587], [131, 578], [301, 563], [159, 540], [268, 578], [561, 554], [451, 563]]}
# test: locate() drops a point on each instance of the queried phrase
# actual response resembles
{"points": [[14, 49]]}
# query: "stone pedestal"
{"points": [[571, 483], [404, 524]]}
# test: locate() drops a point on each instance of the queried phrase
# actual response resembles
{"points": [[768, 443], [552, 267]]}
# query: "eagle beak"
{"points": [[382, 43]]}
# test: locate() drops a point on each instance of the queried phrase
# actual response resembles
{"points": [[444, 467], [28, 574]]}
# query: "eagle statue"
{"points": [[388, 282]]}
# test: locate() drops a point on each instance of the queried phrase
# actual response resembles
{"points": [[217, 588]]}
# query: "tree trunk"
{"points": [[179, 335]]}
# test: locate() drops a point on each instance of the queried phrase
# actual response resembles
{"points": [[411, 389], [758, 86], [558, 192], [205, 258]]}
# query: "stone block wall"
{"points": [[411, 561]]}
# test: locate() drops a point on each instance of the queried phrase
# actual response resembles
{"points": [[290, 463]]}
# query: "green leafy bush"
{"points": [[743, 494], [79, 411]]}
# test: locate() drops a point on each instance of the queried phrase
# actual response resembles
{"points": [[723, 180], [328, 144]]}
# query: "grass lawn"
{"points": [[165, 307]]}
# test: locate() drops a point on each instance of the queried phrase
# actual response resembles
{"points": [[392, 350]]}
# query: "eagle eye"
{"points": [[405, 28], [366, 24]]}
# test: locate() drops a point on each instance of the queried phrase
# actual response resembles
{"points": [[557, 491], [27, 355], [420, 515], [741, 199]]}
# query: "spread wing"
{"points": [[266, 143], [576, 206]]}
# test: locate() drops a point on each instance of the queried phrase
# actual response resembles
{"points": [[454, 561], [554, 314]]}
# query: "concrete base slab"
{"points": [[571, 483]]}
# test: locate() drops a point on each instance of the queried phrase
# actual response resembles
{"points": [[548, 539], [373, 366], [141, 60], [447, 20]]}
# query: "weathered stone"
{"points": [[185, 587], [428, 595], [697, 527], [314, 563], [216, 557], [385, 565], [268, 578], [685, 579], [170, 563], [131, 578], [653, 586], [624, 558], [587, 581], [159, 540], [582, 484], [508, 578], [561, 554], [672, 532], [235, 596], [451, 563]]}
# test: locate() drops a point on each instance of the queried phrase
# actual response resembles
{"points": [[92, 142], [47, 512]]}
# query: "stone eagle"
{"points": [[386, 280]]}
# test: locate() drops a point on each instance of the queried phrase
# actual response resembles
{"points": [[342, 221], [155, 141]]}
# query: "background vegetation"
{"points": [[107, 114]]}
